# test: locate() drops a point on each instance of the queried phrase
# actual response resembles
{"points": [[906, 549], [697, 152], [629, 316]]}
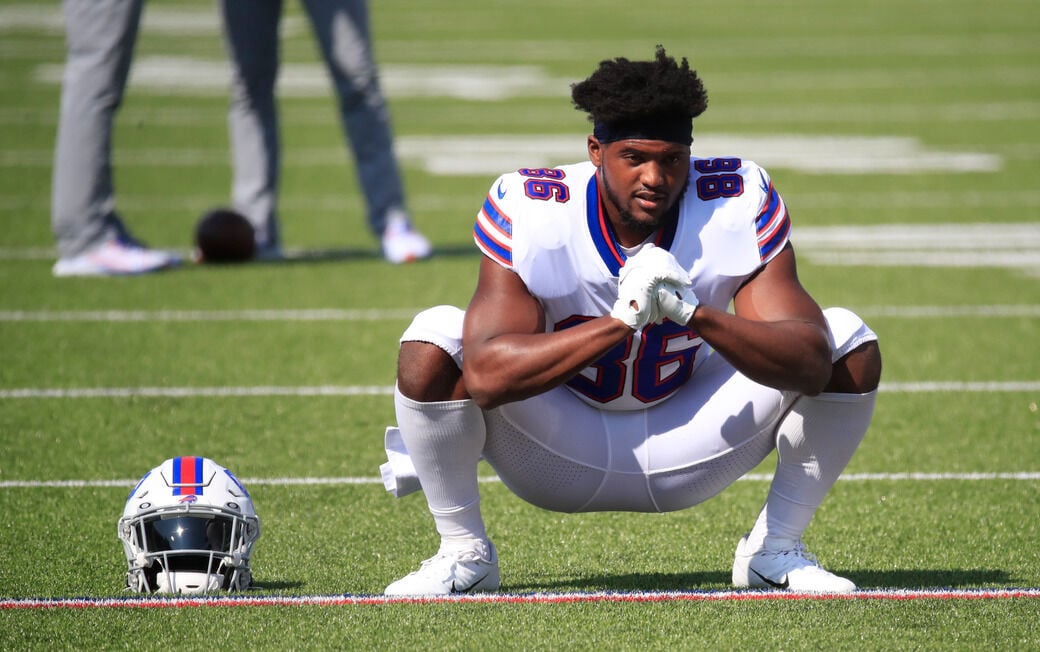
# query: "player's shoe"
{"points": [[402, 243], [116, 257], [793, 569], [468, 570], [270, 252]]}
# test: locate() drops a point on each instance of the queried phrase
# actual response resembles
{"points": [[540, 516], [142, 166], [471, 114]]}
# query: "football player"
{"points": [[638, 340]]}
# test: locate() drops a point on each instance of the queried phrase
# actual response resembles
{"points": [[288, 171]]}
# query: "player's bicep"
{"points": [[776, 294], [501, 305]]}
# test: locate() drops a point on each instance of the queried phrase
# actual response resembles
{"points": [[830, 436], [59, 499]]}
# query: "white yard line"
{"points": [[976, 245], [388, 390], [381, 314], [454, 155], [317, 314], [640, 597], [198, 392], [364, 480]]}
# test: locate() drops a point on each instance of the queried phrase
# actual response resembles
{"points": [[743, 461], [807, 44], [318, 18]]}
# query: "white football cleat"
{"points": [[402, 243], [467, 570], [115, 258], [793, 569]]}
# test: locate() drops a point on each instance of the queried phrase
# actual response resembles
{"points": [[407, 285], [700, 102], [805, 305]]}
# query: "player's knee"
{"points": [[857, 372], [429, 361], [426, 373], [857, 369]]}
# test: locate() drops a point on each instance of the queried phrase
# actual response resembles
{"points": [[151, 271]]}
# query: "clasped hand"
{"points": [[653, 286]]}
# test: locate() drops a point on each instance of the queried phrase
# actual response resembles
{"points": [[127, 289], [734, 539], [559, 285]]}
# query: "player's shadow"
{"points": [[703, 581], [914, 578]]}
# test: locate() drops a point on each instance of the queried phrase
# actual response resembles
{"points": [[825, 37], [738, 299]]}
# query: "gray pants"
{"points": [[100, 37], [342, 30]]}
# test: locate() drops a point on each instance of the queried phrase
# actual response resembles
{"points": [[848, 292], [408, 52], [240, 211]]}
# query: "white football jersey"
{"points": [[547, 225]]}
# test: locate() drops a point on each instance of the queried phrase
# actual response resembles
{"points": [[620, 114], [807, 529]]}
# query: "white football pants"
{"points": [[562, 454]]}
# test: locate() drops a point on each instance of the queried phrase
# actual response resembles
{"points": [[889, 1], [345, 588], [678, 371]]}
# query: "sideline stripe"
{"points": [[361, 480], [507, 598], [388, 390]]}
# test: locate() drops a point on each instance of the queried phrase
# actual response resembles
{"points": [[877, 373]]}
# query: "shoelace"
{"points": [[798, 551]]}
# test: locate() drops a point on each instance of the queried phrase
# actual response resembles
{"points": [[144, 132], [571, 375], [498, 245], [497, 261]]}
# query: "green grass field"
{"points": [[915, 122]]}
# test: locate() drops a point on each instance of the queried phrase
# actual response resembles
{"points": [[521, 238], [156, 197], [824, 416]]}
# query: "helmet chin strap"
{"points": [[187, 582]]}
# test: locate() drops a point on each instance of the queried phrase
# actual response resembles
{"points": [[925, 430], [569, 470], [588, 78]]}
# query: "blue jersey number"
{"points": [[662, 364], [546, 184], [720, 178]]}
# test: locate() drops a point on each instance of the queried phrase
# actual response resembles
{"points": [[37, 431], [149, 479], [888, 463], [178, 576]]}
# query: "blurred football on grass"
{"points": [[224, 236]]}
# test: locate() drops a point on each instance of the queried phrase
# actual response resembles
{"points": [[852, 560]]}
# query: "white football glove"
{"points": [[637, 304], [676, 303]]}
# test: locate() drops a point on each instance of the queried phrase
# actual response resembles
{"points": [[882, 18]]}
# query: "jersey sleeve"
{"points": [[493, 230], [772, 224]]}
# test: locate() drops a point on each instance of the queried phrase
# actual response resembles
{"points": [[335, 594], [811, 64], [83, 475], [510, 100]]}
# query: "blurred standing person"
{"points": [[342, 30], [91, 237]]}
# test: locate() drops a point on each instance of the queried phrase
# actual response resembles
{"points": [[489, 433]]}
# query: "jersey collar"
{"points": [[602, 232]]}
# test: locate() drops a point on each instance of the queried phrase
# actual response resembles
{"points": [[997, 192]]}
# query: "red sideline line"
{"points": [[505, 598]]}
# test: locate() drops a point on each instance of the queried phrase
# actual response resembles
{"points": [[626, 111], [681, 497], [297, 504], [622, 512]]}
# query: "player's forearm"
{"points": [[787, 355], [517, 366]]}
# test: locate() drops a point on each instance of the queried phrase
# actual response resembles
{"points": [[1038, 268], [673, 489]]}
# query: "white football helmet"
{"points": [[188, 527]]}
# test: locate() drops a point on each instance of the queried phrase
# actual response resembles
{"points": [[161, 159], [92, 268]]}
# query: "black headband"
{"points": [[669, 129]]}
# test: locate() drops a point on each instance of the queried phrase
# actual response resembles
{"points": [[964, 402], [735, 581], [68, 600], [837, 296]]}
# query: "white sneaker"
{"points": [[115, 258], [793, 569], [452, 571], [402, 243]]}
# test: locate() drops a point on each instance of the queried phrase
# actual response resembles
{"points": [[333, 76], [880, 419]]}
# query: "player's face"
{"points": [[640, 181]]}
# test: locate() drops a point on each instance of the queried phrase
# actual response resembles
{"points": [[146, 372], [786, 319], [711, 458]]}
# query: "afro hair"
{"points": [[622, 91]]}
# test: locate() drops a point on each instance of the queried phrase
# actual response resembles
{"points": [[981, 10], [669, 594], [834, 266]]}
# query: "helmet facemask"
{"points": [[194, 543]]}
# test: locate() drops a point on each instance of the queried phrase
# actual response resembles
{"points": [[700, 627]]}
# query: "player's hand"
{"points": [[637, 303], [676, 303]]}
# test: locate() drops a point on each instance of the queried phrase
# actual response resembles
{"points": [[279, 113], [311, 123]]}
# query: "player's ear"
{"points": [[595, 151]]}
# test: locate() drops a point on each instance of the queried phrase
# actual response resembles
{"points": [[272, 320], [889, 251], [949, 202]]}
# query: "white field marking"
{"points": [[477, 155], [388, 390], [942, 237], [919, 200], [1027, 476], [818, 114], [349, 600], [176, 75], [997, 245], [336, 314], [188, 75], [1007, 245], [198, 392], [318, 314], [457, 155], [336, 204]]}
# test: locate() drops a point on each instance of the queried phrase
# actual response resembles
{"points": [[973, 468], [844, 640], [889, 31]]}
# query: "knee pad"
{"points": [[440, 326], [847, 331]]}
